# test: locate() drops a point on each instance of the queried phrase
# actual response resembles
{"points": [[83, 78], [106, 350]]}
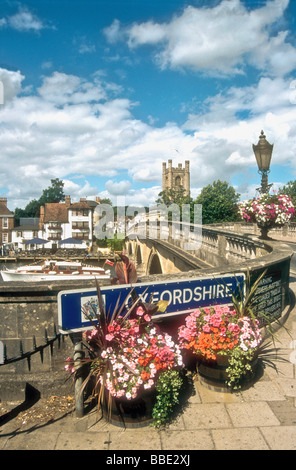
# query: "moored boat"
{"points": [[54, 270]]}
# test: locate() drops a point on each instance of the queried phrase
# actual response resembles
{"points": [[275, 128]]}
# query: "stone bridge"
{"points": [[165, 250]]}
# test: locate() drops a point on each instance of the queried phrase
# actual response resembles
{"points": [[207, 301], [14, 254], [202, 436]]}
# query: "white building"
{"points": [[59, 221]]}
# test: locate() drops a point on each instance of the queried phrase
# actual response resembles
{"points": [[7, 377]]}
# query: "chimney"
{"points": [[41, 219], [3, 200], [68, 201]]}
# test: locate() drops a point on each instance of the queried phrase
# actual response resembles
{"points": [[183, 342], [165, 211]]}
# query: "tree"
{"points": [[106, 200], [168, 197], [53, 193], [219, 203], [173, 196]]}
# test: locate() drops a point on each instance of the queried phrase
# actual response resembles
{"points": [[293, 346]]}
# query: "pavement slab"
{"points": [[283, 439], [239, 439], [206, 416], [251, 414], [187, 440]]}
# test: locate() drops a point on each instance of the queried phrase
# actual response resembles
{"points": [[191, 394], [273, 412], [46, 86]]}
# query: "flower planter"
{"points": [[132, 413], [213, 374], [268, 211], [189, 360]]}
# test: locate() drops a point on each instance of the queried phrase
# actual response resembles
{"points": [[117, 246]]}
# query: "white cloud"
{"points": [[12, 83], [23, 20], [75, 127], [147, 33], [77, 191], [62, 88], [143, 197], [117, 188], [114, 32], [219, 39]]}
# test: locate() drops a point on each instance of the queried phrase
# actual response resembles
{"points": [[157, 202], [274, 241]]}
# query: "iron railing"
{"points": [[48, 342]]}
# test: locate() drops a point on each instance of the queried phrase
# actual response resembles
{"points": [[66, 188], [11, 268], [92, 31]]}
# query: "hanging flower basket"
{"points": [[268, 211]]}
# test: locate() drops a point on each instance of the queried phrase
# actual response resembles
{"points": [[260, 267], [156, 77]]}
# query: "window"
{"points": [[4, 237], [178, 181], [5, 222], [80, 212]]}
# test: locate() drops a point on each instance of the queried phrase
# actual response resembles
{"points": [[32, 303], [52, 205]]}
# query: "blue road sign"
{"points": [[183, 296]]}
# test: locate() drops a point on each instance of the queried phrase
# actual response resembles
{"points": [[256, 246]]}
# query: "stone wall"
{"points": [[28, 311]]}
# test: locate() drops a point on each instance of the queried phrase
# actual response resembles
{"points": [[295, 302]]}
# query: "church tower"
{"points": [[174, 177]]}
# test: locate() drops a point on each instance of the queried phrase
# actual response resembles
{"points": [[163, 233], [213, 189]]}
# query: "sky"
{"points": [[98, 93]]}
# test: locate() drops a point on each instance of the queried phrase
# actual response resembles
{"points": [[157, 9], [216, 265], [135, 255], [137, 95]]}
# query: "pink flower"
{"points": [[140, 311], [206, 329]]}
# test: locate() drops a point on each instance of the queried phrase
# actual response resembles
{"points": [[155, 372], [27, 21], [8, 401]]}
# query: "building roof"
{"points": [[91, 203], [55, 212], [26, 228], [4, 211], [79, 205]]}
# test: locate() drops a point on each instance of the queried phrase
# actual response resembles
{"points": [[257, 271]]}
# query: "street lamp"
{"points": [[263, 152]]}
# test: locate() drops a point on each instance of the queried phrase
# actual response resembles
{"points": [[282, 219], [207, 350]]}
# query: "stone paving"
{"points": [[262, 417]]}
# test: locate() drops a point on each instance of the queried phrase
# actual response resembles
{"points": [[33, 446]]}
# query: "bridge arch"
{"points": [[154, 264], [138, 255], [130, 248]]}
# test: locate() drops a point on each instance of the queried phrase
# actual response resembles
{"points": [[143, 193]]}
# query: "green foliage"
{"points": [[173, 196], [115, 244], [106, 200], [239, 366], [219, 203], [168, 389], [31, 209], [102, 243], [53, 193]]}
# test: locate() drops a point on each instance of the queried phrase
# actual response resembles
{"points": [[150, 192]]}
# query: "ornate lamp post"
{"points": [[263, 152]]}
